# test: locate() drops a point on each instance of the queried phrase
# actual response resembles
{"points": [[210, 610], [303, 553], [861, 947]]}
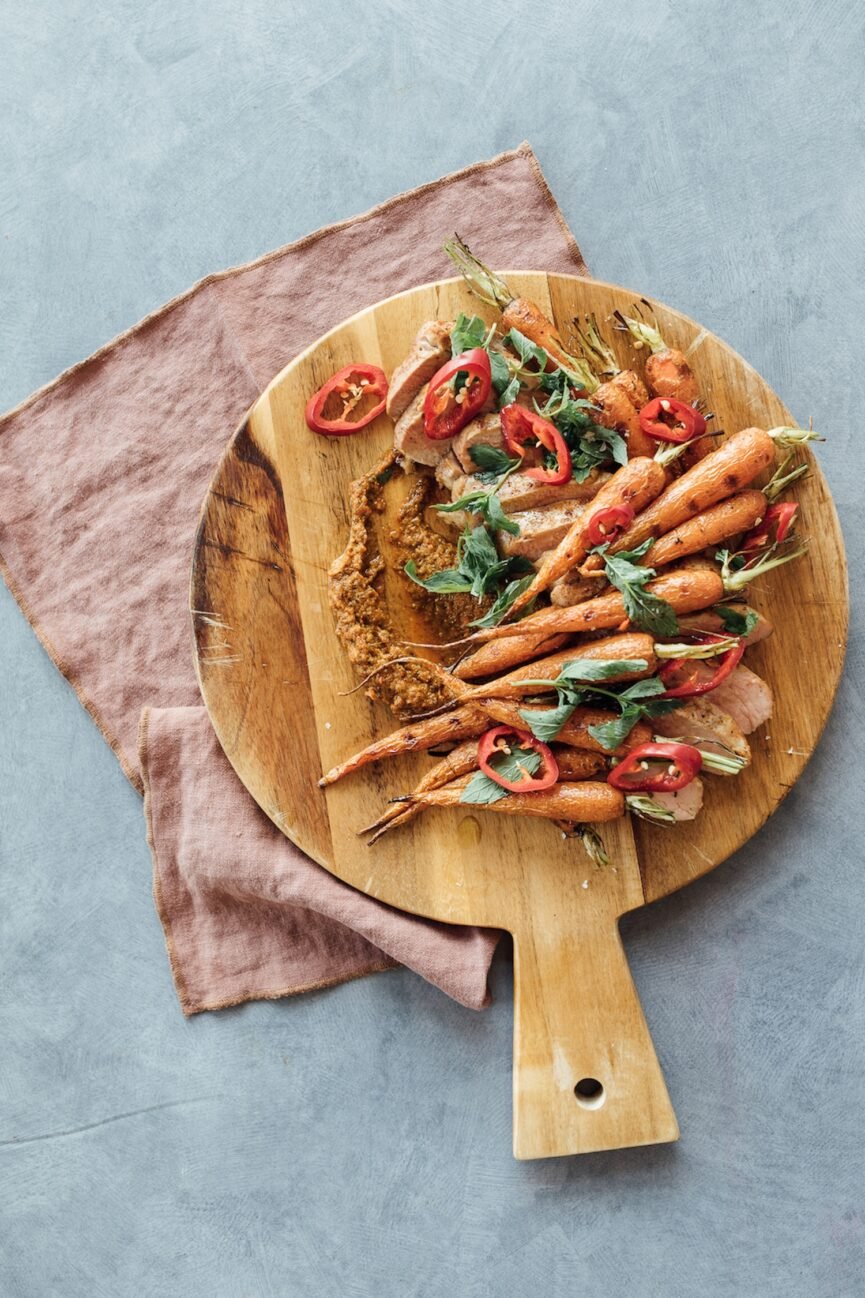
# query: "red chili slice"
{"points": [[681, 764], [780, 517], [445, 409], [692, 687], [605, 524], [520, 426], [503, 739], [669, 420], [351, 385]]}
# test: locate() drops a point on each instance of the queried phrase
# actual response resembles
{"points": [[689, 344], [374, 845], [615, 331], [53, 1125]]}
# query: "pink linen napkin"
{"points": [[102, 473]]}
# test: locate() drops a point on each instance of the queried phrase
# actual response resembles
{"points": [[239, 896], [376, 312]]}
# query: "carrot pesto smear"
{"points": [[359, 600]]}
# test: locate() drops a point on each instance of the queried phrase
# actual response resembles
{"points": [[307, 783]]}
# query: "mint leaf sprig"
{"points": [[590, 444], [736, 623], [479, 571], [491, 462], [487, 503], [472, 331], [531, 368], [645, 610], [578, 682]]}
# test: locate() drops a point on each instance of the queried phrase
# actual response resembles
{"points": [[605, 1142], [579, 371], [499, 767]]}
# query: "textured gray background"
{"points": [[356, 1142]]}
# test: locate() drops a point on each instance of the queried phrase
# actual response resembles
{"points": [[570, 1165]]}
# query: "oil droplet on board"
{"points": [[469, 831]]}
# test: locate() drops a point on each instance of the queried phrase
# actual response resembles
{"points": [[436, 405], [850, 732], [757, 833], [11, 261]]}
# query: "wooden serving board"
{"points": [[274, 676]]}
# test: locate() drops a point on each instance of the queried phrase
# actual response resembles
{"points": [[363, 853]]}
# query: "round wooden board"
{"points": [[273, 676]]}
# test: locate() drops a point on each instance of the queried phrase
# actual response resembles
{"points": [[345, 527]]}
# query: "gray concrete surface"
{"points": [[355, 1143]]}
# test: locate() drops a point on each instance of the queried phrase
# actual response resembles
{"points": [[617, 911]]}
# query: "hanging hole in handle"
{"points": [[590, 1093]]}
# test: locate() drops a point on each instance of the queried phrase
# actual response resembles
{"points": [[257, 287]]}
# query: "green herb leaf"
{"points": [[448, 582], [546, 723], [628, 556], [639, 699], [491, 461], [499, 371], [504, 600], [590, 444], [612, 733], [468, 332], [644, 689], [526, 349], [481, 790], [510, 393], [645, 610], [479, 572], [734, 622], [498, 519], [510, 766], [488, 506], [649, 612], [479, 560], [516, 763], [590, 669]]}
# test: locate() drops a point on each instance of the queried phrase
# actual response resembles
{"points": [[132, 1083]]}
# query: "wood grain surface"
{"points": [[275, 679]]}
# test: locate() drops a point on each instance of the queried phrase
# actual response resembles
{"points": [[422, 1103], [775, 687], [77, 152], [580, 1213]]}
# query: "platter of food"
{"points": [[519, 601]]}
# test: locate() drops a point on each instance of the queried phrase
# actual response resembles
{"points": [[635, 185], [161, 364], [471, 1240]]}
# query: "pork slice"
{"points": [[410, 440], [745, 696], [430, 350], [486, 429], [685, 804], [704, 725], [521, 492], [450, 475], [540, 529]]}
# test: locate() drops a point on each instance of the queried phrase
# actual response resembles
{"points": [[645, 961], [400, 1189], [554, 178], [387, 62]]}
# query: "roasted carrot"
{"points": [[517, 312], [685, 589], [576, 765], [604, 361], [461, 761], [668, 374], [728, 518], [635, 484], [572, 763], [631, 647], [501, 654], [633, 387], [588, 801], [526, 316], [617, 411], [464, 723], [621, 398], [729, 468]]}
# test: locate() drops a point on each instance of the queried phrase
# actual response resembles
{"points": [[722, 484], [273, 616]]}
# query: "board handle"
{"points": [[586, 1076]]}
